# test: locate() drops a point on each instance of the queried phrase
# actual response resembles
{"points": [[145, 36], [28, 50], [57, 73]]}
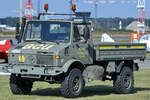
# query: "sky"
{"points": [[10, 8]]}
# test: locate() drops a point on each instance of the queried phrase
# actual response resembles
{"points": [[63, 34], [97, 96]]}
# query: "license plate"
{"points": [[21, 59]]}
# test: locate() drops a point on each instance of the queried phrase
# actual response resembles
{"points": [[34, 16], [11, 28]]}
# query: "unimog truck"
{"points": [[62, 51]]}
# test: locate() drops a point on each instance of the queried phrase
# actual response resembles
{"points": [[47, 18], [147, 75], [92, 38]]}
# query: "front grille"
{"points": [[45, 59], [32, 59]]}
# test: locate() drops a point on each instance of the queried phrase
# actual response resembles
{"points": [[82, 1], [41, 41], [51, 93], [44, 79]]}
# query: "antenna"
{"points": [[38, 6], [20, 12]]}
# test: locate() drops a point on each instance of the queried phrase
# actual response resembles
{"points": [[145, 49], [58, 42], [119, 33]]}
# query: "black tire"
{"points": [[124, 83], [19, 85], [6, 60], [73, 84]]}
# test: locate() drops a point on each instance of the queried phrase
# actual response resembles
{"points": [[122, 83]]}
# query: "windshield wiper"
{"points": [[42, 42], [57, 42], [38, 41]]}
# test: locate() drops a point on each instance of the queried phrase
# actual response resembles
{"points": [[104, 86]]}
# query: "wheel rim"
{"points": [[76, 84], [127, 80]]}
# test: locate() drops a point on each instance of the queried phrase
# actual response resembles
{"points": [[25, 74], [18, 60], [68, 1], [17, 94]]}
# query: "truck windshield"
{"points": [[47, 31]]}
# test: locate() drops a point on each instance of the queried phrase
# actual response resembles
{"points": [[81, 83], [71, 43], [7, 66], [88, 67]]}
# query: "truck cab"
{"points": [[48, 45]]}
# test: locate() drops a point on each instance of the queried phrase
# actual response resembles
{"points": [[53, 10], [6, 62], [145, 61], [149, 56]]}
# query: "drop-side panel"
{"points": [[119, 51]]}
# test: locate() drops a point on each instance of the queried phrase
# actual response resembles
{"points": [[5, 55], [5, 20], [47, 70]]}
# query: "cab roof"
{"points": [[76, 21]]}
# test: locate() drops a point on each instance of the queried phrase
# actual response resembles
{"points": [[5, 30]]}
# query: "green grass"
{"points": [[96, 90], [148, 55]]}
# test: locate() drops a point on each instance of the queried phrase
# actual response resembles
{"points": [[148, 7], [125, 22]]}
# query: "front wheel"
{"points": [[73, 84], [124, 82], [19, 85]]}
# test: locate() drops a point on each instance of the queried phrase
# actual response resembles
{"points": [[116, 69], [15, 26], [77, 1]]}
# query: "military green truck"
{"points": [[62, 51]]}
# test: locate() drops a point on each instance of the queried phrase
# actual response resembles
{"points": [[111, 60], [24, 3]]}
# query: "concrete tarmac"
{"points": [[143, 65]]}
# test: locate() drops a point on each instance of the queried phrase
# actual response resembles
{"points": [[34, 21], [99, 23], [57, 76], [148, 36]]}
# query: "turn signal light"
{"points": [[8, 55], [57, 57]]}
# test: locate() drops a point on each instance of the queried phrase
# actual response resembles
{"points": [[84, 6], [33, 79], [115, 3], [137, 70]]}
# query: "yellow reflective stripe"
{"points": [[82, 49], [122, 47], [107, 47], [137, 46], [83, 53], [82, 56]]}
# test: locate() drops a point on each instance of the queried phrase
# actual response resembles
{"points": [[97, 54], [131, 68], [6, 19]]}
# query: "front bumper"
{"points": [[31, 70]]}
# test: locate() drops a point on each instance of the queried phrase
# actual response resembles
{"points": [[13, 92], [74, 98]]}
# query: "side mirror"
{"points": [[86, 33], [17, 31]]}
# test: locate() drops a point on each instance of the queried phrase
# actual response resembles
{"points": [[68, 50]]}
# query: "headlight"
{"points": [[45, 59]]}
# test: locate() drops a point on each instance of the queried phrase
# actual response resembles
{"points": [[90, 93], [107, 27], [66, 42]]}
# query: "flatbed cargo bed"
{"points": [[120, 51]]}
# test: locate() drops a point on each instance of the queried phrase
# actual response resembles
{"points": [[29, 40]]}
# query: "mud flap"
{"points": [[135, 67]]}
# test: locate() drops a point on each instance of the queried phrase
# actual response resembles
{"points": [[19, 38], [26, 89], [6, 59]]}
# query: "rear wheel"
{"points": [[19, 85], [73, 84], [124, 82]]}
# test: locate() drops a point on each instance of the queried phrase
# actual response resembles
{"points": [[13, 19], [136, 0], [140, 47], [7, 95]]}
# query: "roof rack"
{"points": [[83, 15]]}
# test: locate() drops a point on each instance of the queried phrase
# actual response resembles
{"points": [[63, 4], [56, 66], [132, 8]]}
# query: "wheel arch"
{"points": [[129, 63], [73, 64], [125, 63]]}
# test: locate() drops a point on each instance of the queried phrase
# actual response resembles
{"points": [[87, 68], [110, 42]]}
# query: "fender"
{"points": [[118, 69], [128, 63], [67, 65]]}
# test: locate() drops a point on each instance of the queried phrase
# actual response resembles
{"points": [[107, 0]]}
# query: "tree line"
{"points": [[111, 23], [102, 23]]}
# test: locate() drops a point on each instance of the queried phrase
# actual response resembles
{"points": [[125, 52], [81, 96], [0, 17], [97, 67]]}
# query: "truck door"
{"points": [[82, 48]]}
